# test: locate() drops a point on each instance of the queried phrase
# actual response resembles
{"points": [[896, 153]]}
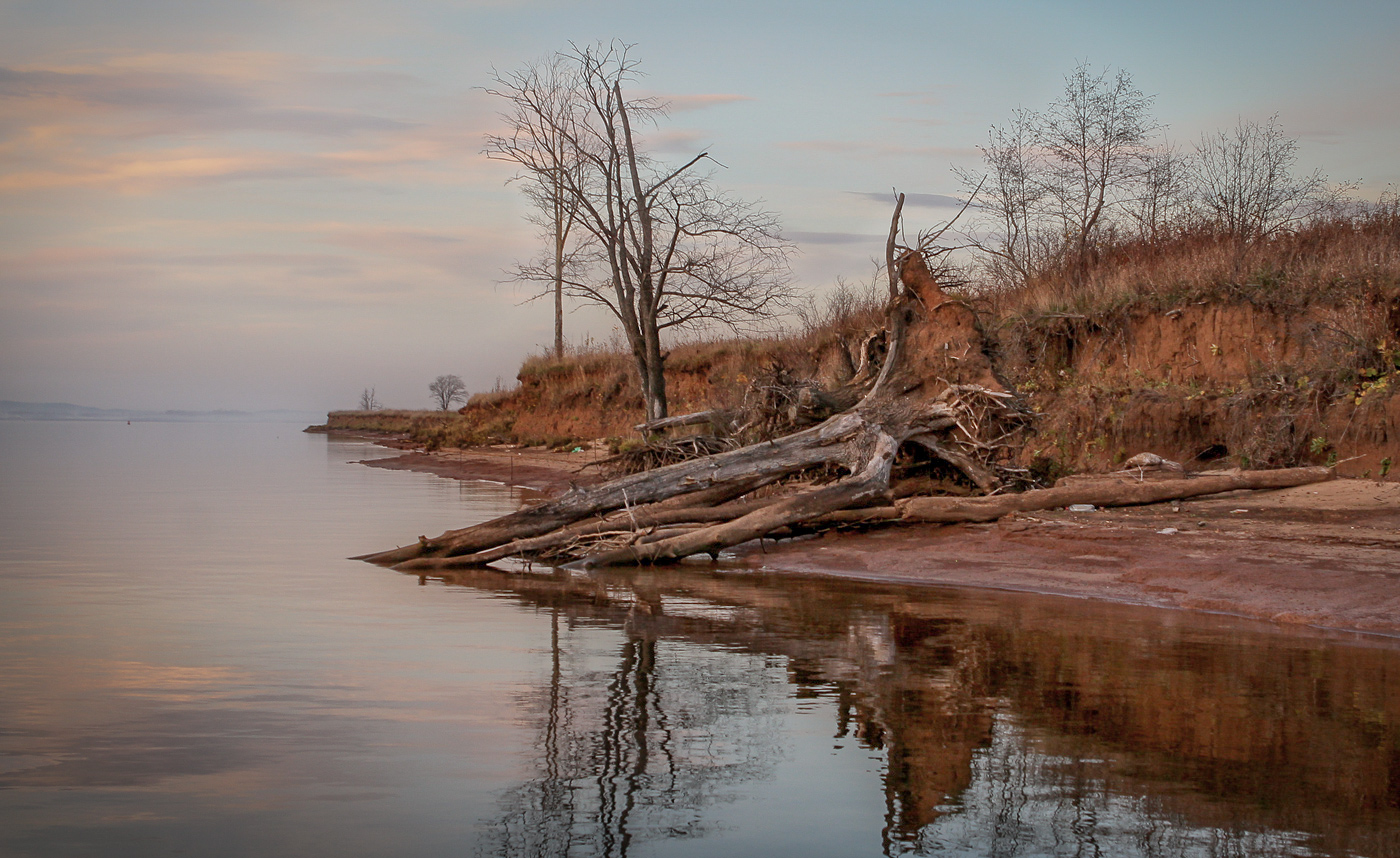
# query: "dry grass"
{"points": [[1327, 260], [390, 421]]}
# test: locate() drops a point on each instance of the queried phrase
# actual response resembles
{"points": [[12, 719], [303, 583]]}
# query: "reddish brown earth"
{"points": [[1325, 555]]}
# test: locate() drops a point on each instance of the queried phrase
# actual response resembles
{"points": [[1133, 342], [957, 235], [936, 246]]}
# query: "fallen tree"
{"points": [[925, 390], [932, 388], [1123, 489]]}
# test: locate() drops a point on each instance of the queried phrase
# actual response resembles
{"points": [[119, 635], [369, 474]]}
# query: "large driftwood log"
{"points": [[717, 418], [1109, 491], [871, 482], [930, 346], [827, 443]]}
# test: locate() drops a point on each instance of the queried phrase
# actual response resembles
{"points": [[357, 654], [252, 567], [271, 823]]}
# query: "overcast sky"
{"points": [[276, 203]]}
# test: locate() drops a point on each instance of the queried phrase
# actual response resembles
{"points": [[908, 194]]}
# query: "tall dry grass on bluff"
{"points": [[1329, 260]]}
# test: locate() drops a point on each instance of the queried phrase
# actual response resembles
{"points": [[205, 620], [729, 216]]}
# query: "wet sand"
{"points": [[1325, 555]]}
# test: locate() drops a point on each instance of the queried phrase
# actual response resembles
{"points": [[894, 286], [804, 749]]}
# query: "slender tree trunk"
{"points": [[558, 293], [655, 372]]}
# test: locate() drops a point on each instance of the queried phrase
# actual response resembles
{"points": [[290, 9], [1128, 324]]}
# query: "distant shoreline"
{"points": [[68, 412]]}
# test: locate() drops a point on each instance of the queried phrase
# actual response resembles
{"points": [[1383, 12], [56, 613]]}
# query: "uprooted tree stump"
{"points": [[927, 384]]}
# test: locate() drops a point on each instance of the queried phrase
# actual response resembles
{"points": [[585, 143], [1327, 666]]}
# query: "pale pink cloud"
{"points": [[145, 122]]}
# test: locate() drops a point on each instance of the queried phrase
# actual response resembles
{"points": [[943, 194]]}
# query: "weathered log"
{"points": [[469, 561], [870, 482], [823, 444], [715, 417], [640, 519], [1110, 491]]}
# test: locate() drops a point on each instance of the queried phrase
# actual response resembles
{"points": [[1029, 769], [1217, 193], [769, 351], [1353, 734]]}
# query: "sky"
{"points": [[259, 204]]}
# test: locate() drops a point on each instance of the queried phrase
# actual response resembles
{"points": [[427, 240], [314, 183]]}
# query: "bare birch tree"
{"points": [[1163, 194], [1054, 181], [666, 248], [1010, 199]]}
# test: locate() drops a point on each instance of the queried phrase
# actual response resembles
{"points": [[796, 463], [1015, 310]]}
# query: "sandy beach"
{"points": [[1325, 555]]}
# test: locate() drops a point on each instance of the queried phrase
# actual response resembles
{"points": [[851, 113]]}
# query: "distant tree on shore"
{"points": [[660, 246], [447, 390], [368, 401]]}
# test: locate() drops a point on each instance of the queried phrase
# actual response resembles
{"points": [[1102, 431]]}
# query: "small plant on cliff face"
{"points": [[1318, 446], [1376, 383]]}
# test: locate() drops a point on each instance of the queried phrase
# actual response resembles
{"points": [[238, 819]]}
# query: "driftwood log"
{"points": [[1125, 489], [925, 383]]}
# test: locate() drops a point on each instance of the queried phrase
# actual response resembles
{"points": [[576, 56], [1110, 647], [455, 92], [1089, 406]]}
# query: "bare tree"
{"points": [[667, 249], [368, 401], [446, 390], [1011, 196], [1245, 182], [1096, 144], [1163, 195], [1055, 181], [542, 97]]}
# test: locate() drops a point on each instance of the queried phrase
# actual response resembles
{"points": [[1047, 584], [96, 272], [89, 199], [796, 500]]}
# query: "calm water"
{"points": [[188, 666]]}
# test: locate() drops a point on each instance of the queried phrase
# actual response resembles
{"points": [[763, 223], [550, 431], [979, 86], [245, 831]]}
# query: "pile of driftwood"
{"points": [[924, 390]]}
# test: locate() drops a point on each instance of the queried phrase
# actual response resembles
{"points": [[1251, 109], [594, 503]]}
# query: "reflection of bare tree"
{"points": [[1038, 735], [636, 753]]}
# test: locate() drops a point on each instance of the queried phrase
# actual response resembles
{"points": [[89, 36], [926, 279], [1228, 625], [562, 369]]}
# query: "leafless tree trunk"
{"points": [[541, 96]]}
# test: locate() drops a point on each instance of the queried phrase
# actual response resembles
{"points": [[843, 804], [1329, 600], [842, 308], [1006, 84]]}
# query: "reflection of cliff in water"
{"points": [[1009, 725]]}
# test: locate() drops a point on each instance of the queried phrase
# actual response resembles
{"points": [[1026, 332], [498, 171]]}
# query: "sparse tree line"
{"points": [[662, 247], [1095, 167]]}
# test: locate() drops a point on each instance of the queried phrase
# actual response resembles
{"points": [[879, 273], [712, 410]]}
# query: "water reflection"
{"points": [[1004, 725]]}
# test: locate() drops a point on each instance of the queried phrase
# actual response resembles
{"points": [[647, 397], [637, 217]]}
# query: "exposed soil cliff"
{"points": [[1222, 383], [1205, 350]]}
